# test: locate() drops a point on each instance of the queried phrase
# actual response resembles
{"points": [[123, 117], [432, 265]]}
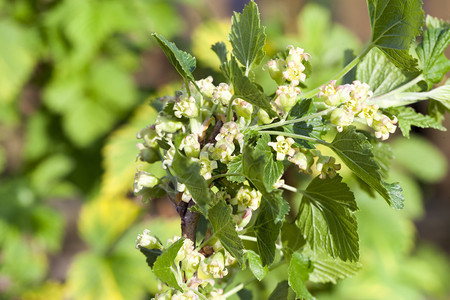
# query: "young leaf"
{"points": [[282, 292], [298, 273], [224, 229], [188, 173], [379, 73], [245, 89], [330, 269], [151, 255], [408, 117], [221, 50], [436, 38], [162, 267], [395, 24], [183, 62], [326, 218], [312, 128], [235, 166], [356, 152], [255, 264], [247, 36]]}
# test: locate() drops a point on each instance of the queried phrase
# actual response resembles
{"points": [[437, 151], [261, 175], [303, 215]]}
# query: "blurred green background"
{"points": [[76, 78]]}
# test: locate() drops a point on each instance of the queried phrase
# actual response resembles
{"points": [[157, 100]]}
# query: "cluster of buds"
{"points": [[197, 270], [350, 102], [288, 73], [246, 201]]}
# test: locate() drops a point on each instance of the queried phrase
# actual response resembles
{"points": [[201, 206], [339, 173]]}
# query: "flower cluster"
{"points": [[350, 102], [198, 270], [288, 73]]}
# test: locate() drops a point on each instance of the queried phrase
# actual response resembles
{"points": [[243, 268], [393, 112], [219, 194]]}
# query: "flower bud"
{"points": [[242, 219], [303, 161], [243, 108], [212, 267], [148, 241], [190, 145], [341, 117], [222, 93], [206, 86], [149, 155], [263, 117], [327, 167], [150, 137], [276, 68], [164, 124], [144, 180]]}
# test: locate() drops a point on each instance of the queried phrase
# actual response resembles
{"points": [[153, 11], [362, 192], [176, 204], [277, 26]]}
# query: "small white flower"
{"points": [[327, 167], [186, 106], [190, 145], [247, 197], [283, 147], [222, 93], [384, 126], [144, 180]]}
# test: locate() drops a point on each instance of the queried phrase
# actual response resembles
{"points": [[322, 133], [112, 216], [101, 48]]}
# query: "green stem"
{"points": [[344, 71], [223, 175], [200, 295], [296, 136], [302, 119], [254, 239]]}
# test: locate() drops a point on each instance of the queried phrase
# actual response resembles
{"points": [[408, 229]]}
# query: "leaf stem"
{"points": [[298, 120], [344, 71], [254, 239], [223, 175], [400, 89], [296, 136]]}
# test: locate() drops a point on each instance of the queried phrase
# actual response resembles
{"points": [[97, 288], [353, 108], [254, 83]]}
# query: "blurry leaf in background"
{"points": [[207, 34], [50, 290], [119, 153], [19, 49], [104, 220], [420, 158]]}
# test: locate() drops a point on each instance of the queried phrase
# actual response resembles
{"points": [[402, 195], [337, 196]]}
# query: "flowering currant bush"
{"points": [[226, 146]]}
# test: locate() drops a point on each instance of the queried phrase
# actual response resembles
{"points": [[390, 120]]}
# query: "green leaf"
{"points": [[221, 50], [291, 238], [224, 229], [183, 62], [312, 128], [326, 218], [235, 166], [273, 169], [395, 24], [245, 89], [255, 264], [247, 36], [267, 230], [151, 255], [298, 273], [282, 292], [379, 73], [356, 152], [408, 117], [188, 173], [330, 269], [436, 38], [163, 264], [253, 167]]}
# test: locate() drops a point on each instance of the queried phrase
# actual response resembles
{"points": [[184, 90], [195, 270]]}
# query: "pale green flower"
{"points": [[148, 241], [283, 147], [327, 167]]}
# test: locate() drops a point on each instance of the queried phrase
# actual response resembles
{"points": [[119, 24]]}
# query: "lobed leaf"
{"points": [[395, 24], [188, 173], [245, 89], [436, 38], [224, 229], [247, 36], [408, 117], [162, 267], [326, 218], [151, 255], [291, 238], [183, 62], [330, 269], [379, 73], [273, 169], [235, 166], [355, 151], [282, 292], [298, 273]]}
